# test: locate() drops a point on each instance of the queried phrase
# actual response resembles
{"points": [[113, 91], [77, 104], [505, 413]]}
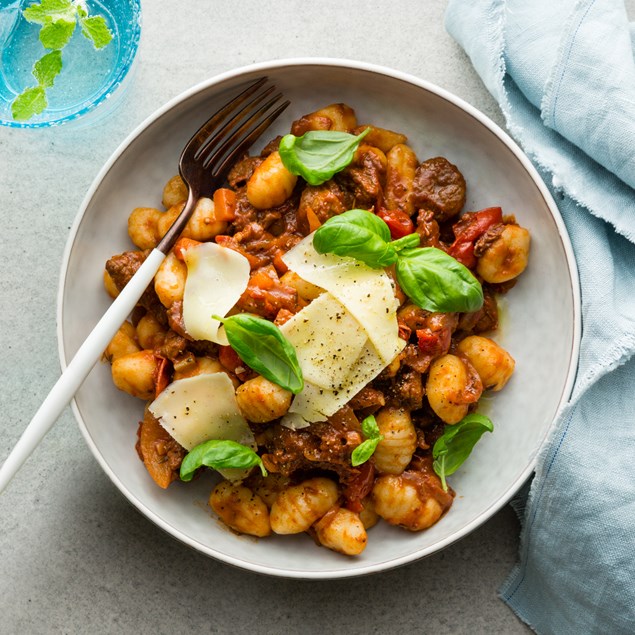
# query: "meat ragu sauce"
{"points": [[398, 482]]}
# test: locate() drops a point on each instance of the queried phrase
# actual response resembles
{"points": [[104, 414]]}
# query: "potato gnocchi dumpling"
{"points": [[302, 475]]}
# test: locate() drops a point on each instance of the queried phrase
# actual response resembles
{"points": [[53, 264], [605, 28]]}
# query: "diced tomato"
{"points": [[284, 315], [161, 375], [399, 223], [427, 340], [228, 357], [359, 487], [470, 227], [263, 278]]}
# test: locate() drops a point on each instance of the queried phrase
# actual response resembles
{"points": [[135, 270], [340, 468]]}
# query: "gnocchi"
{"points": [[342, 530], [239, 508], [452, 387], [271, 184], [299, 506], [507, 257], [261, 400], [493, 363], [394, 452]]}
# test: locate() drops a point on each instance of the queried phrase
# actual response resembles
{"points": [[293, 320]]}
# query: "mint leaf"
{"points": [[58, 19], [56, 35], [29, 103], [96, 30], [46, 69], [49, 11]]}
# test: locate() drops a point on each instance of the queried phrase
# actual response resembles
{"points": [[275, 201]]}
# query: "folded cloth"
{"points": [[564, 75]]}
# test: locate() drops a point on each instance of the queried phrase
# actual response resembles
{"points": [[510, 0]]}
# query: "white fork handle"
{"points": [[77, 370]]}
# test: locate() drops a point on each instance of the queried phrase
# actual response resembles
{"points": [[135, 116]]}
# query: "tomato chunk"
{"points": [[399, 223], [470, 227]]}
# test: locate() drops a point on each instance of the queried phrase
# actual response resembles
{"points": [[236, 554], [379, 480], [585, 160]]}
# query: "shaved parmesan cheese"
{"points": [[326, 337], [345, 337], [200, 408], [216, 278], [315, 403], [367, 293]]}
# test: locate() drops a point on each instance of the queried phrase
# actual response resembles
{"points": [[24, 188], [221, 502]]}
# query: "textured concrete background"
{"points": [[75, 557]]}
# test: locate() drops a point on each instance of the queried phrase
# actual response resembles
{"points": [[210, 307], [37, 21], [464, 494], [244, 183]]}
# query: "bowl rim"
{"points": [[107, 91], [264, 67]]}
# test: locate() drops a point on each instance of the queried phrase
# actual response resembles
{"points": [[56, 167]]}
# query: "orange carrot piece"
{"points": [[224, 204], [314, 221], [182, 244]]}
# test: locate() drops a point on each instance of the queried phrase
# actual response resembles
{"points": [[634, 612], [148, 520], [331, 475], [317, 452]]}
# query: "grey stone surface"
{"points": [[74, 556]]}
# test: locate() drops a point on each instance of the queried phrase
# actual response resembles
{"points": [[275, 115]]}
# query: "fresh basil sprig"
{"points": [[219, 455], [319, 154], [365, 449], [456, 444], [432, 279], [436, 281], [358, 234], [261, 345]]}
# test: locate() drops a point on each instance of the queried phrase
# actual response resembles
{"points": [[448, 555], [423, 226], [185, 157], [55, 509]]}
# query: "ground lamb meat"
{"points": [[324, 201], [440, 187], [320, 446], [122, 267], [242, 171], [365, 177]]}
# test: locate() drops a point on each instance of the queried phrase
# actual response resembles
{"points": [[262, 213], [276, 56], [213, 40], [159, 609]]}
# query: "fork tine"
{"points": [[243, 144], [219, 144], [228, 127], [195, 171], [204, 131]]}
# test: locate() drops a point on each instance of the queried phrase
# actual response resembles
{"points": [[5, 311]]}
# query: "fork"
{"points": [[203, 166]]}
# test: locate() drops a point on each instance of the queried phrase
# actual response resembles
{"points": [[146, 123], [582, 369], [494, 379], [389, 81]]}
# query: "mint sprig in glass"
{"points": [[58, 20]]}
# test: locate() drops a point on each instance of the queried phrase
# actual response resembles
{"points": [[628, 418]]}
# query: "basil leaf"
{"points": [[358, 234], [319, 154], [366, 448], [220, 455], [364, 451], [261, 345], [452, 449], [370, 429], [407, 242], [436, 282]]}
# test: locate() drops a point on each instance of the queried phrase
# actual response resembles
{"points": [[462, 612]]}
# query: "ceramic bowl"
{"points": [[540, 323]]}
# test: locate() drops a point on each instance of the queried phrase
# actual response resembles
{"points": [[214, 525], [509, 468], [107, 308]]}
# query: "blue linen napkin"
{"points": [[564, 75]]}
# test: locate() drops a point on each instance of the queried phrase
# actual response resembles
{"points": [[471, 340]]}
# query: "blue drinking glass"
{"points": [[88, 78]]}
